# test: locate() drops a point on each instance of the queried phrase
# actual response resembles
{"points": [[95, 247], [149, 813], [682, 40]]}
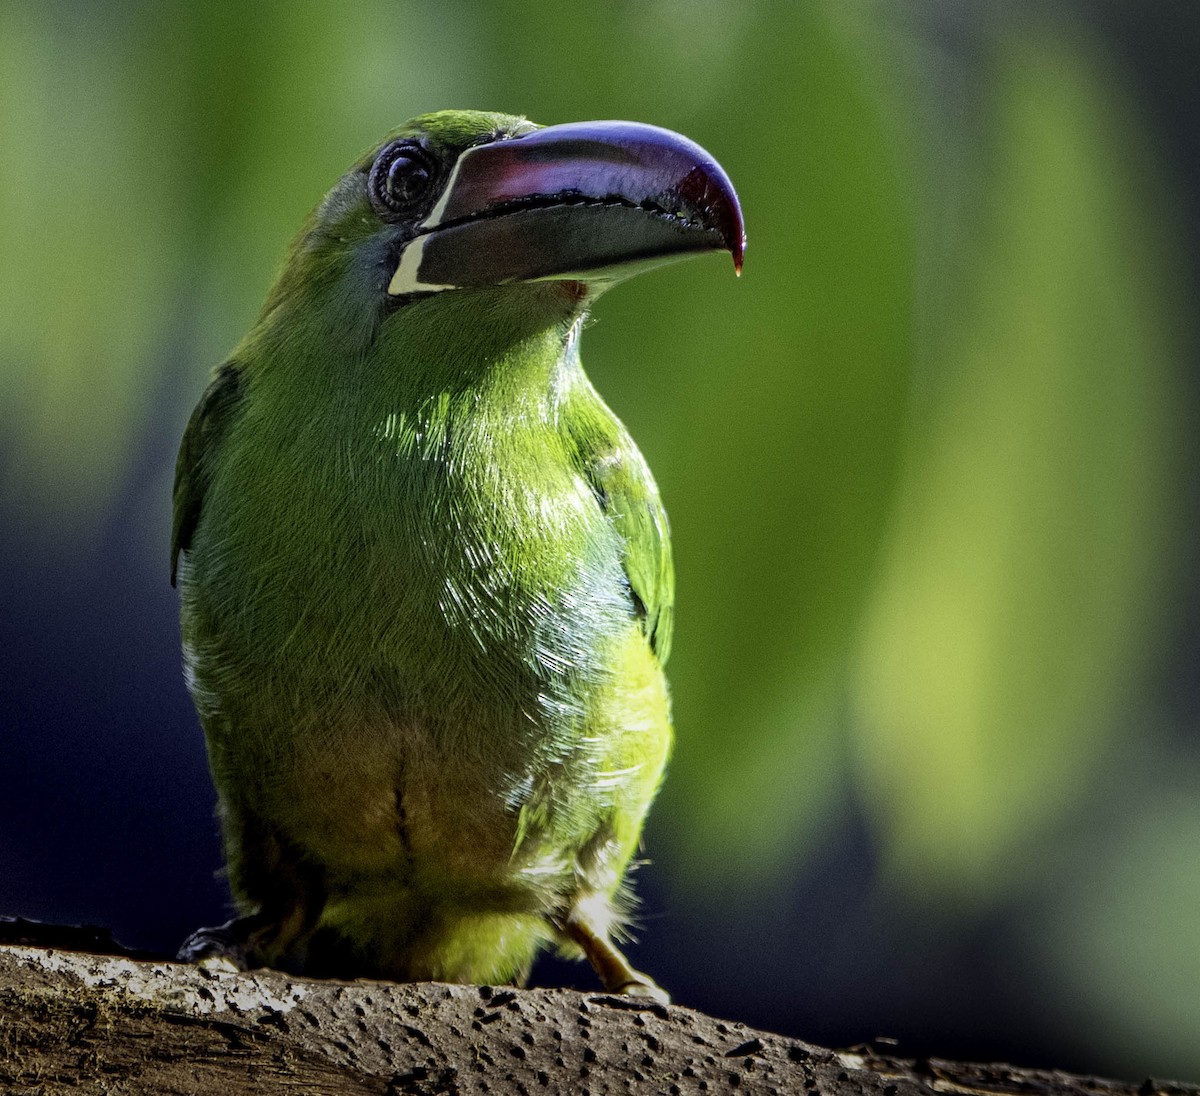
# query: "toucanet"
{"points": [[424, 572]]}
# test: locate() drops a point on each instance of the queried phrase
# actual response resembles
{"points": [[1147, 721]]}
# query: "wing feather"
{"points": [[618, 474], [198, 453]]}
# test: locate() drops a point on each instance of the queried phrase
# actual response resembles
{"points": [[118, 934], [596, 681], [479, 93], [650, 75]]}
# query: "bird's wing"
{"points": [[197, 453], [622, 482]]}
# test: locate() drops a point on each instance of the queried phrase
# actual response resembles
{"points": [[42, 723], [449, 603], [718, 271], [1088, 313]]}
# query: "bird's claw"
{"points": [[645, 987], [218, 948]]}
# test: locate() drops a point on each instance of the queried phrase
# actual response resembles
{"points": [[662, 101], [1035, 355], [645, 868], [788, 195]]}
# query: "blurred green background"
{"points": [[929, 466]]}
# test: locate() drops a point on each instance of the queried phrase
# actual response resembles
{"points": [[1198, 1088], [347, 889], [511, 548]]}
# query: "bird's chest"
{"points": [[428, 615], [483, 532], [444, 561]]}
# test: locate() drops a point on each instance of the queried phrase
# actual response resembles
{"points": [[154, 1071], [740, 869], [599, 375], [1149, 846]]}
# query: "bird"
{"points": [[425, 576]]}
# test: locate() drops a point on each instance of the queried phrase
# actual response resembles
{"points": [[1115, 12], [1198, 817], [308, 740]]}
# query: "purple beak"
{"points": [[594, 201]]}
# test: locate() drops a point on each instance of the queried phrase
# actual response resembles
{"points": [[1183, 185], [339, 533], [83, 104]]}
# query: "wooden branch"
{"points": [[81, 1022]]}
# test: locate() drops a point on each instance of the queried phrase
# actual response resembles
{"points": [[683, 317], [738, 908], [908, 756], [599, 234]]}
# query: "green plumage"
{"points": [[426, 596]]}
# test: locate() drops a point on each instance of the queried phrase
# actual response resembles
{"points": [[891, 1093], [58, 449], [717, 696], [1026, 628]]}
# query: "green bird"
{"points": [[425, 575]]}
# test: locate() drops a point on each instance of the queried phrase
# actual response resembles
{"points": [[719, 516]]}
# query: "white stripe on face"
{"points": [[438, 212], [405, 279]]}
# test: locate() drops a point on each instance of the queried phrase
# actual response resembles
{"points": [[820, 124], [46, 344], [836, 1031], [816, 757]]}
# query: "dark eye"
{"points": [[400, 177]]}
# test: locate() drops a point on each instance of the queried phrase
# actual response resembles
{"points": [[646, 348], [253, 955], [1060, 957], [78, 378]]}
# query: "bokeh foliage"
{"points": [[1020, 603], [925, 471]]}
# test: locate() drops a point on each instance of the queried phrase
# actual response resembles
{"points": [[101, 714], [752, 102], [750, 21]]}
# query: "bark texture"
{"points": [[83, 1022]]}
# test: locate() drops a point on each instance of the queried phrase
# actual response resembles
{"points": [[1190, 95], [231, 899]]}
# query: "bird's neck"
{"points": [[503, 358], [501, 350]]}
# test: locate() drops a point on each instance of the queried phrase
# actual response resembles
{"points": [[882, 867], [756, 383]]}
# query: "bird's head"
{"points": [[461, 200]]}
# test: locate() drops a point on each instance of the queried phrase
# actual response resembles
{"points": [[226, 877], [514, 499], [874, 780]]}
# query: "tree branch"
{"points": [[85, 1022]]}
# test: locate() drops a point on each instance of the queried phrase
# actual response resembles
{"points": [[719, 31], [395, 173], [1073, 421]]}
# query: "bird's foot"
{"points": [[608, 961], [642, 986], [221, 947]]}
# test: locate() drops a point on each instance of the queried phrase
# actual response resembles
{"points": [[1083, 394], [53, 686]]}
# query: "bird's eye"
{"points": [[400, 176], [407, 178]]}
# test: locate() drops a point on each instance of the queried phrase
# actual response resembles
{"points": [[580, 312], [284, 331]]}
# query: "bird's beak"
{"points": [[589, 201]]}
